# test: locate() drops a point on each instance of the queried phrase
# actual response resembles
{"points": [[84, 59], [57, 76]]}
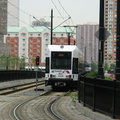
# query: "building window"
{"points": [[30, 45], [16, 39], [23, 45], [8, 34], [31, 39], [61, 40], [31, 34], [8, 39], [16, 45], [38, 45], [46, 45], [23, 40], [16, 50], [54, 34], [16, 35], [38, 50], [23, 34], [54, 40], [38, 34], [38, 40], [61, 34]]}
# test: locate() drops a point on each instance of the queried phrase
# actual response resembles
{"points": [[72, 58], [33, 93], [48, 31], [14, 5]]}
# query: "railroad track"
{"points": [[17, 88], [48, 99]]}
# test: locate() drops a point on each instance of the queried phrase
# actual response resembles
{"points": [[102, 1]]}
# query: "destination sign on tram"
{"points": [[61, 54]]}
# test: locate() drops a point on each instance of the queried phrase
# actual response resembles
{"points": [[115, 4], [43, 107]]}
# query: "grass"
{"points": [[73, 94]]}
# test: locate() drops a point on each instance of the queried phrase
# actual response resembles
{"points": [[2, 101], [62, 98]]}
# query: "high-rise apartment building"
{"points": [[13, 13], [3, 19], [110, 22], [87, 42], [4, 48]]}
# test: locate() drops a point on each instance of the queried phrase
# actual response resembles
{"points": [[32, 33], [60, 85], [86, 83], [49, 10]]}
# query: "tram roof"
{"points": [[62, 47]]}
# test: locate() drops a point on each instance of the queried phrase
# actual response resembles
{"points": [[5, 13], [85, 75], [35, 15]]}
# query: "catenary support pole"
{"points": [[118, 42], [69, 38], [51, 25], [101, 41]]}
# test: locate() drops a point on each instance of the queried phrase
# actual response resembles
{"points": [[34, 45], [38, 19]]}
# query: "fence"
{"points": [[100, 95], [19, 74]]}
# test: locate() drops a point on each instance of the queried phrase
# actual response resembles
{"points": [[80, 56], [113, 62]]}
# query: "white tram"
{"points": [[61, 66]]}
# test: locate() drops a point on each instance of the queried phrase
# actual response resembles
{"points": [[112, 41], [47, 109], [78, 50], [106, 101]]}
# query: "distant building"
{"points": [[29, 42], [4, 48], [87, 42], [3, 19], [110, 22], [13, 13], [41, 22]]}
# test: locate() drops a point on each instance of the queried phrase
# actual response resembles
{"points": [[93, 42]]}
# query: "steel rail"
{"points": [[52, 109], [19, 88]]}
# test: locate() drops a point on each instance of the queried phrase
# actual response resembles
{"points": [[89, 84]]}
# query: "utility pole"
{"points": [[118, 42], [69, 38], [51, 25], [101, 41], [69, 34]]}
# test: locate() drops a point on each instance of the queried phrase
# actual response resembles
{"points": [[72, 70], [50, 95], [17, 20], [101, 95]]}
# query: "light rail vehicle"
{"points": [[61, 66]]}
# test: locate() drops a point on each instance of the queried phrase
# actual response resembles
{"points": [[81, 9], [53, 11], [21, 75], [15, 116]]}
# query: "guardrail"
{"points": [[19, 74], [100, 95]]}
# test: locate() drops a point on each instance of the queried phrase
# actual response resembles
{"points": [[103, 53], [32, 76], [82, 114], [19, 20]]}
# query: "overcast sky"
{"points": [[81, 11]]}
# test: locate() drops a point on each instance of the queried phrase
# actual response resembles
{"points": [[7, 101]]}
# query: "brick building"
{"points": [[29, 42]]}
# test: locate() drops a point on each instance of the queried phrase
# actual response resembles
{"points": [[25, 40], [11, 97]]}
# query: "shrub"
{"points": [[108, 78], [91, 74]]}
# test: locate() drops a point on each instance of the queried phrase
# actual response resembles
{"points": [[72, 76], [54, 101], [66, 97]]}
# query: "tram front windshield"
{"points": [[61, 60]]}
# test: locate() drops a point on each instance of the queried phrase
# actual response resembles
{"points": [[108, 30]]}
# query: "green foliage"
{"points": [[108, 78], [73, 94], [68, 93], [91, 74], [106, 67], [94, 67], [10, 62], [80, 67]]}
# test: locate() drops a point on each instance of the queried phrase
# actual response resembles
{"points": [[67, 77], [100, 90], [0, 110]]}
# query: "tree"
{"points": [[94, 67], [106, 67], [112, 68]]}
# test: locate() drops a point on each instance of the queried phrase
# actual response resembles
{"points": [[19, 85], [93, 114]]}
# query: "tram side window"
{"points": [[47, 64], [75, 66]]}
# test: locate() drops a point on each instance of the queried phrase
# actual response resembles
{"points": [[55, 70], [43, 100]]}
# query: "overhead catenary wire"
{"points": [[19, 8], [69, 17], [66, 13], [23, 12], [63, 8], [36, 18], [17, 18], [57, 9]]}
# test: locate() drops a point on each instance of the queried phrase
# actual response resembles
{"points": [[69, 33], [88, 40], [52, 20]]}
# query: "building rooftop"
{"points": [[13, 29], [39, 29]]}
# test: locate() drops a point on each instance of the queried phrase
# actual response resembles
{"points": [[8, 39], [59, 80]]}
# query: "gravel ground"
{"points": [[82, 110]]}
